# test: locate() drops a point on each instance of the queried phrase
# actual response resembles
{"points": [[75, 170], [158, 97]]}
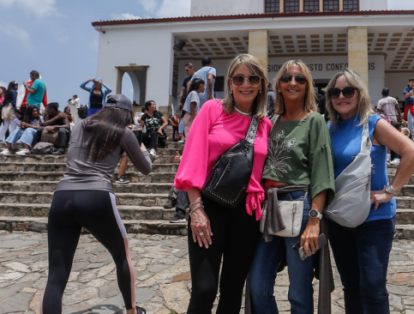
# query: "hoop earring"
{"points": [[260, 91], [231, 92]]}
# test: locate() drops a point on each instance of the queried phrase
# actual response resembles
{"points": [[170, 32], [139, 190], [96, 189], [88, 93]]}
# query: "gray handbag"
{"points": [[352, 202]]}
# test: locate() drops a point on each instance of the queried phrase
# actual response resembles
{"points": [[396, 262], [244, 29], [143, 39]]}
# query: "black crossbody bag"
{"points": [[227, 182]]}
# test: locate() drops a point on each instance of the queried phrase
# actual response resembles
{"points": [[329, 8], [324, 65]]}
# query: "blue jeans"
{"points": [[25, 136], [361, 256], [269, 256]]}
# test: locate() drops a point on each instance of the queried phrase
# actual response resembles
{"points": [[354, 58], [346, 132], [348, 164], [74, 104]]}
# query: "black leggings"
{"points": [[235, 237], [97, 212]]}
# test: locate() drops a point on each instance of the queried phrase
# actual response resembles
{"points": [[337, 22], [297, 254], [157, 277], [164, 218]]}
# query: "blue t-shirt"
{"points": [[203, 74], [409, 100], [37, 98], [346, 143]]}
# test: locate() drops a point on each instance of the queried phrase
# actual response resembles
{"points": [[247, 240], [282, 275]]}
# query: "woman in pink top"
{"points": [[216, 232]]}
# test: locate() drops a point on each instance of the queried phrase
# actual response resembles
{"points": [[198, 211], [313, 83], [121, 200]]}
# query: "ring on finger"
{"points": [[201, 233]]}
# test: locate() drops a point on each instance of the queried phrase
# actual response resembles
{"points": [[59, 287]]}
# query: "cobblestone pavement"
{"points": [[162, 276]]}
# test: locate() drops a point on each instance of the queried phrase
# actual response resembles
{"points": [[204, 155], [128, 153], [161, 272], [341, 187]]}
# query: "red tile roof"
{"points": [[248, 16]]}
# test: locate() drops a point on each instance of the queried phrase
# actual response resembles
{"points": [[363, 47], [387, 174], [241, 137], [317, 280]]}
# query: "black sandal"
{"points": [[140, 310]]}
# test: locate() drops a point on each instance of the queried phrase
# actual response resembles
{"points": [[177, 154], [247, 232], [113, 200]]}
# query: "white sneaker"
{"points": [[6, 152], [182, 141], [396, 161], [153, 154], [23, 152]]}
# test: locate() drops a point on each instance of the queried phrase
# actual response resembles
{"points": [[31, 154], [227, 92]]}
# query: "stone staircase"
{"points": [[27, 184]]}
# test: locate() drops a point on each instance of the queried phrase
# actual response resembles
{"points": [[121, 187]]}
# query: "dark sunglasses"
{"points": [[300, 79], [253, 80], [348, 92]]}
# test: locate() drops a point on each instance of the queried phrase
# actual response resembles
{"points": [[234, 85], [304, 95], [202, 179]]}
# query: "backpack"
{"points": [[43, 148], [352, 202]]}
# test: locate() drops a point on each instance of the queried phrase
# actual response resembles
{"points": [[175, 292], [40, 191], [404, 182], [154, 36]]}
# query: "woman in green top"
{"points": [[299, 153]]}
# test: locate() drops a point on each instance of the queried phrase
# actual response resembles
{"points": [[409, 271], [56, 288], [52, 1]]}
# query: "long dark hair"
{"points": [[195, 84], [28, 114], [8, 98], [105, 130]]}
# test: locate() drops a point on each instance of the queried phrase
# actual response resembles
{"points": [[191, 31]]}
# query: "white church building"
{"points": [[328, 35]]}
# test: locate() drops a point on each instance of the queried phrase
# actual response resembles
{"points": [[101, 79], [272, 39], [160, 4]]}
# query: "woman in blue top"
{"points": [[362, 253], [97, 94]]}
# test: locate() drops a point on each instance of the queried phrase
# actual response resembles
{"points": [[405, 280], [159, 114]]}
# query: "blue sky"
{"points": [[55, 37]]}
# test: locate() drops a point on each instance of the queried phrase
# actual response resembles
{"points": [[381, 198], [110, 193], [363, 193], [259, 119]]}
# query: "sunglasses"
{"points": [[300, 79], [347, 92], [253, 80]]}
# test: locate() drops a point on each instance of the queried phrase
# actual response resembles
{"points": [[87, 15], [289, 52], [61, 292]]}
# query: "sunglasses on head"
{"points": [[300, 79], [253, 80], [347, 92]]}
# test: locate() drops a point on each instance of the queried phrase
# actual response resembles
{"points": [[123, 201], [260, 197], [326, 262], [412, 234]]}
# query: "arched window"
{"points": [[292, 6], [330, 5], [311, 5], [351, 5], [272, 6]]}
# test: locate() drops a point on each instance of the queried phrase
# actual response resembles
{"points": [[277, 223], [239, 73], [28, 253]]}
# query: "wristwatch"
{"points": [[390, 189], [313, 213]]}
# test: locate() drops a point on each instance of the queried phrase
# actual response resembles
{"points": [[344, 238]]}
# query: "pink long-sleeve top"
{"points": [[212, 133]]}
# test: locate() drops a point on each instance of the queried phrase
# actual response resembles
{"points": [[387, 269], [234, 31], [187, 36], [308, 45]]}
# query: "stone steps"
{"points": [[52, 159], [37, 224], [50, 186], [154, 177], [125, 211], [17, 167], [132, 199]]}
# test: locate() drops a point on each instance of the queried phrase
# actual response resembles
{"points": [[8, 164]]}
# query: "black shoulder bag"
{"points": [[227, 182]]}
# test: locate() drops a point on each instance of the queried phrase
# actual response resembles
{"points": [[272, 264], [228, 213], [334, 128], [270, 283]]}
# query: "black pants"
{"points": [[64, 135], [235, 238], [138, 135], [175, 131], [97, 212], [151, 139], [394, 154]]}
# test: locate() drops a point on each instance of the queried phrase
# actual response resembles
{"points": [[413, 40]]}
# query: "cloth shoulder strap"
{"points": [[251, 133], [366, 143]]}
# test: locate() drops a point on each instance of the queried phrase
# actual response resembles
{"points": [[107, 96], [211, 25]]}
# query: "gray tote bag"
{"points": [[352, 202]]}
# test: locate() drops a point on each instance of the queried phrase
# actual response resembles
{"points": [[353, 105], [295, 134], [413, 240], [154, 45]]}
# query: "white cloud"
{"points": [[60, 34], [39, 8], [125, 16], [17, 32], [149, 5], [174, 8]]}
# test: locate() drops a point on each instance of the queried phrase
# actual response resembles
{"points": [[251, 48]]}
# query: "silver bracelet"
{"points": [[198, 202], [198, 207]]}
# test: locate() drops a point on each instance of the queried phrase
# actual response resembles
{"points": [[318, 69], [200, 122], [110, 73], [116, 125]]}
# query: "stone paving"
{"points": [[162, 276]]}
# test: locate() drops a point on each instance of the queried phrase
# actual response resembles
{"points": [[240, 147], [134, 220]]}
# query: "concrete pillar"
{"points": [[301, 6], [281, 6], [320, 5], [341, 5], [258, 45], [358, 51]]}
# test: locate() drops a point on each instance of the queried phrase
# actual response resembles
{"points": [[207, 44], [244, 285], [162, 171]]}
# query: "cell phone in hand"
{"points": [[301, 250]]}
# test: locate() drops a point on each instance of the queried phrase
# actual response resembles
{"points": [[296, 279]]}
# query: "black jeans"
{"points": [[235, 237], [361, 255], [138, 135], [152, 138], [182, 201], [64, 135], [175, 131]]}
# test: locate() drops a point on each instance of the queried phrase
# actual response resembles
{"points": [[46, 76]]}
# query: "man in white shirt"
{"points": [[75, 103], [389, 106]]}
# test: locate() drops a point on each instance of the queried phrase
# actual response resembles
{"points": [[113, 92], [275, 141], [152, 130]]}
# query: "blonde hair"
{"points": [[310, 101], [364, 104], [254, 66]]}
